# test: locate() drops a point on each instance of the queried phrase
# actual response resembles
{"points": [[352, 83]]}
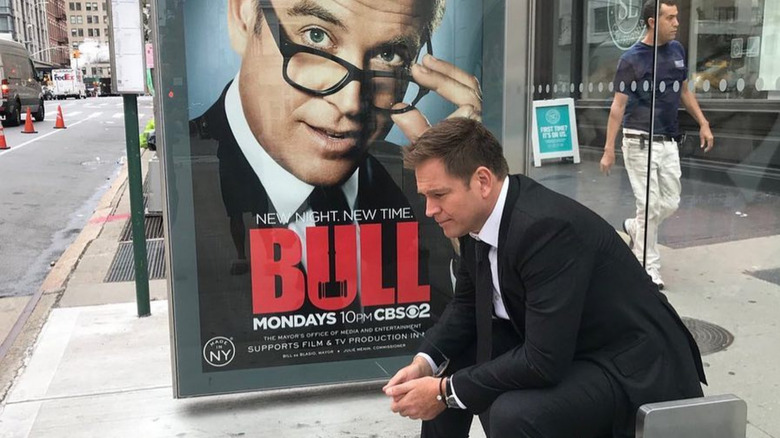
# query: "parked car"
{"points": [[20, 85]]}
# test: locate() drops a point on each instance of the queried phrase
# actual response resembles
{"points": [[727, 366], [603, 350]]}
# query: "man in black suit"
{"points": [[571, 334], [298, 132]]}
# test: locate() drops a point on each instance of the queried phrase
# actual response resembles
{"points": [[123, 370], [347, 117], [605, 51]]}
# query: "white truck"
{"points": [[68, 82]]}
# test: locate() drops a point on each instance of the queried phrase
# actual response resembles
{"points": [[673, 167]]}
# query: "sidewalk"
{"points": [[97, 369]]}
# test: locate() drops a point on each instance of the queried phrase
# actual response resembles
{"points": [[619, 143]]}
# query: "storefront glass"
{"points": [[733, 48], [719, 239]]}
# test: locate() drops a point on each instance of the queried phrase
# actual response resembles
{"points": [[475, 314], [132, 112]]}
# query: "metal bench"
{"points": [[718, 416]]}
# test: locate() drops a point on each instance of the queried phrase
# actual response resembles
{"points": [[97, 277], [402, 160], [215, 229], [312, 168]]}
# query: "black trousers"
{"points": [[583, 405]]}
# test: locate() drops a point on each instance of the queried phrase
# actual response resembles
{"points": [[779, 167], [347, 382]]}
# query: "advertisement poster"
{"points": [[311, 242]]}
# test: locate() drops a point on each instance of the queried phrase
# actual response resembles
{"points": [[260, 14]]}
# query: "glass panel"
{"points": [[260, 273], [714, 161], [727, 51], [579, 46]]}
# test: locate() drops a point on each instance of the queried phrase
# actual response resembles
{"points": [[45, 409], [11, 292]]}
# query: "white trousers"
{"points": [[664, 195]]}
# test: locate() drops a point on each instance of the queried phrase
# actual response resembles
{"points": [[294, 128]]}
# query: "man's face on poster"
{"points": [[321, 138]]}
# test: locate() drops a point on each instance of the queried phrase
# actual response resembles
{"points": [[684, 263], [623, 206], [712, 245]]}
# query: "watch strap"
{"points": [[452, 402]]}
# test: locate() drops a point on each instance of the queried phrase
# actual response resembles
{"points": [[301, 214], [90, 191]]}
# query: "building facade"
{"points": [[26, 21], [58, 32], [88, 30]]}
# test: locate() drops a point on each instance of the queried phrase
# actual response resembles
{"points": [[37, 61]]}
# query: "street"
{"points": [[51, 181]]}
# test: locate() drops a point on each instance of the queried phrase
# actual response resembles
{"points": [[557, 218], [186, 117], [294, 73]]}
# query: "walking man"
{"points": [[631, 107]]}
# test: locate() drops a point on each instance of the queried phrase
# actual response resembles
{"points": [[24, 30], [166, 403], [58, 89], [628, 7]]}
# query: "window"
{"points": [[105, 19], [97, 32], [5, 24], [72, 19], [90, 32], [72, 6], [81, 32], [729, 61], [94, 6], [73, 32], [89, 19], [89, 6], [79, 19], [95, 19], [78, 6]]}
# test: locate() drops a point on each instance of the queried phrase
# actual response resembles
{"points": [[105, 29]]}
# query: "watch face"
{"points": [[451, 402]]}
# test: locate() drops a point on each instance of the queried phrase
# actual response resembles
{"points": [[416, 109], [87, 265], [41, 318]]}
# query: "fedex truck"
{"points": [[68, 82]]}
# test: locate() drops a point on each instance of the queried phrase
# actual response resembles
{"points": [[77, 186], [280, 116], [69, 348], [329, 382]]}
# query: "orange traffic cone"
{"points": [[60, 123], [28, 125], [3, 144]]}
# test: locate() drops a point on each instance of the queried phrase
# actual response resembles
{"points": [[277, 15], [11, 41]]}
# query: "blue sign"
{"points": [[554, 129]]}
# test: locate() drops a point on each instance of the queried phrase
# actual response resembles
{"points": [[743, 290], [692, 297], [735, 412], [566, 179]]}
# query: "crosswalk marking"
{"points": [[118, 115]]}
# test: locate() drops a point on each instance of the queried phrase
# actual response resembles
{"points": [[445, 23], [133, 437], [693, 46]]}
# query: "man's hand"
{"points": [[607, 160], [417, 369], [449, 82], [416, 399], [707, 140]]}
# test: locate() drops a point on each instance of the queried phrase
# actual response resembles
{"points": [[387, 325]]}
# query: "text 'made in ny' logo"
{"points": [[625, 22], [219, 351]]}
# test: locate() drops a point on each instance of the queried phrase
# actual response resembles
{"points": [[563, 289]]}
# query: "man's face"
{"points": [[321, 140], [667, 24], [457, 207]]}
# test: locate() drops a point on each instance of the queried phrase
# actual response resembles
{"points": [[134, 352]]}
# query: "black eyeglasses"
{"points": [[321, 73], [445, 364]]}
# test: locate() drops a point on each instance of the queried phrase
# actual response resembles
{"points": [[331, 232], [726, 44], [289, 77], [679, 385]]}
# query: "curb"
{"points": [[17, 346]]}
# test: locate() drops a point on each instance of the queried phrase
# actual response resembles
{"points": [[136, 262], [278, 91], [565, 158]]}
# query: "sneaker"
{"points": [[628, 228], [656, 277]]}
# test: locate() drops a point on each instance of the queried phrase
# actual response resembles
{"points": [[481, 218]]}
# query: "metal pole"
{"points": [[130, 102]]}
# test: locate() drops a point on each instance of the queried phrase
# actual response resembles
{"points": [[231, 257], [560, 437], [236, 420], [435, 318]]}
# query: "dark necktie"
{"points": [[484, 303], [330, 206]]}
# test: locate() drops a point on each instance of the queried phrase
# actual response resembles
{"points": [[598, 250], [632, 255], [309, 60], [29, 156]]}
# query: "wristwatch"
{"points": [[450, 400]]}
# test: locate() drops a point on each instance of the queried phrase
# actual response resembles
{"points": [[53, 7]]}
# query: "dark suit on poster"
{"points": [[574, 293], [225, 185]]}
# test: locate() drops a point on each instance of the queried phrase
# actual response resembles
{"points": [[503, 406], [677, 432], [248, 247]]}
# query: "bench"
{"points": [[717, 416]]}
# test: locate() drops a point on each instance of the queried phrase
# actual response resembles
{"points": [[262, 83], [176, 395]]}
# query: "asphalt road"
{"points": [[50, 183]]}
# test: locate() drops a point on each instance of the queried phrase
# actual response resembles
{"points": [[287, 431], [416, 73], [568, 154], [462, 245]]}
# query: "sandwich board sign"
{"points": [[554, 132]]}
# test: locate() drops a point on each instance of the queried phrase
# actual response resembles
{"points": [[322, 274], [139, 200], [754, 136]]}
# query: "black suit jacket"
{"points": [[225, 186], [574, 292]]}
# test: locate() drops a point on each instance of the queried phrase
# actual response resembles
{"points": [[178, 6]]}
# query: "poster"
{"points": [[311, 243]]}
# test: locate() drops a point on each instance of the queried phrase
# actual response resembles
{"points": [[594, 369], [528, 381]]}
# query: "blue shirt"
{"points": [[636, 65]]}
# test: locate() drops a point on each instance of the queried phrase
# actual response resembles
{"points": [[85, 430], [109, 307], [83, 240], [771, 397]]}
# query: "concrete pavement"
{"points": [[86, 365]]}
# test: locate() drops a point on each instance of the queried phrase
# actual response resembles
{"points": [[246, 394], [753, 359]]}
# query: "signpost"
{"points": [[554, 130], [128, 76]]}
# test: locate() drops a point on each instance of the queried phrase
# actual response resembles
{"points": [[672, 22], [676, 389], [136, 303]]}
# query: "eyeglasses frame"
{"points": [[288, 49]]}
